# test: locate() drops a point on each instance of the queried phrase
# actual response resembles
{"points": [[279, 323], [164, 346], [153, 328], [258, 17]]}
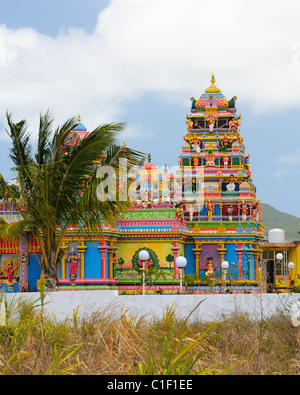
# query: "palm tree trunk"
{"points": [[51, 270]]}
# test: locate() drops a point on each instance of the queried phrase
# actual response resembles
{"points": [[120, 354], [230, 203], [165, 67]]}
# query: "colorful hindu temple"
{"points": [[207, 211]]}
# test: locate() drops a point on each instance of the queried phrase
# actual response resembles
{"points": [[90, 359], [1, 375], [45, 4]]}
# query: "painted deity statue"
{"points": [[180, 213], [231, 185], [244, 211], [258, 210], [230, 212], [196, 145], [11, 268], [232, 124], [73, 261], [210, 209], [210, 267], [225, 143], [210, 159], [211, 123], [190, 124], [238, 123], [225, 161]]}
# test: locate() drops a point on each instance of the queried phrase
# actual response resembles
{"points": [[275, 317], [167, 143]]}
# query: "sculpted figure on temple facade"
{"points": [[210, 209], [210, 158], [225, 143], [254, 214], [193, 102], [232, 124], [190, 124], [258, 209], [246, 159], [11, 268], [230, 211], [238, 123], [196, 145], [191, 212], [231, 185], [210, 267], [225, 161], [180, 212], [73, 261], [244, 211], [211, 123], [196, 162]]}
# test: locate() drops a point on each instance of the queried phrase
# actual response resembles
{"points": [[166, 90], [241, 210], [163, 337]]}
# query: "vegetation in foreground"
{"points": [[114, 342]]}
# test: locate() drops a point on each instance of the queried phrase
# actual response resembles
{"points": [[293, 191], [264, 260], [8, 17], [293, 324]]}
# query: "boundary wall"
{"points": [[62, 305]]}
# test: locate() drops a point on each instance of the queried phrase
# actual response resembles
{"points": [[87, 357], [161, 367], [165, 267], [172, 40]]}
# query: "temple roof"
{"points": [[80, 127], [75, 136], [213, 99]]}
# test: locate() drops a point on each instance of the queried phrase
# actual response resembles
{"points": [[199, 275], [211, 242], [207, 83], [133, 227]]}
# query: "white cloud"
{"points": [[137, 131], [290, 158], [168, 47]]}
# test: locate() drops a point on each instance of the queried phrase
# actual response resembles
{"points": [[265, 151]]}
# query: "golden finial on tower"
{"points": [[124, 144], [79, 118], [213, 88]]}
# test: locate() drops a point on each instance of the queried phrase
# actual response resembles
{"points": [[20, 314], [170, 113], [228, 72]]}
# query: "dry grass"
{"points": [[126, 344]]}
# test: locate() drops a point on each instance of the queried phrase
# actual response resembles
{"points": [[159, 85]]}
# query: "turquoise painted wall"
{"points": [[34, 272], [92, 260], [191, 260], [231, 257]]}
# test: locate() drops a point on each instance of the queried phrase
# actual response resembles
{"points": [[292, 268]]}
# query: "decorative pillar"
{"points": [[175, 249], [249, 252], [257, 257], [197, 252], [63, 262], [81, 249], [24, 260], [103, 248], [222, 251], [111, 251], [240, 251]]}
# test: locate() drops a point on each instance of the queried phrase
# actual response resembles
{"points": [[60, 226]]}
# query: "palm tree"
{"points": [[59, 186]]}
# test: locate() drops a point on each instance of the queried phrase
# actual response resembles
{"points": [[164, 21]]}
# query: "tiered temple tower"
{"points": [[219, 198]]}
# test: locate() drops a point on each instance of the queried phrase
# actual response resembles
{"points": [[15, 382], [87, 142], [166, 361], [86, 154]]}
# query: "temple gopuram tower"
{"points": [[218, 196]]}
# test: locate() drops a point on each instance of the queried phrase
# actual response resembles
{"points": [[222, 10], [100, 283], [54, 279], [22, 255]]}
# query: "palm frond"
{"points": [[16, 229], [60, 136], [45, 131], [20, 153]]}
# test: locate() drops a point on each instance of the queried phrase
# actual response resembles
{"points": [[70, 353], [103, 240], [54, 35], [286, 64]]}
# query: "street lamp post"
{"points": [[291, 266], [181, 263], [144, 256], [225, 266]]}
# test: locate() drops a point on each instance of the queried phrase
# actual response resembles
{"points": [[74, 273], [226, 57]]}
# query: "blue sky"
{"points": [[140, 61], [50, 17]]}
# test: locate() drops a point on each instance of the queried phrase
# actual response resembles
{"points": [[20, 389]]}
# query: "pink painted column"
{"points": [[175, 249], [103, 248], [240, 251]]}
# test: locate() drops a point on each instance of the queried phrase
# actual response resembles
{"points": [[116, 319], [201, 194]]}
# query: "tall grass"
{"points": [[33, 343]]}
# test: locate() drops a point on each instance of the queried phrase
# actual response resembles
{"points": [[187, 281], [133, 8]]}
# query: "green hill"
{"points": [[273, 218]]}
